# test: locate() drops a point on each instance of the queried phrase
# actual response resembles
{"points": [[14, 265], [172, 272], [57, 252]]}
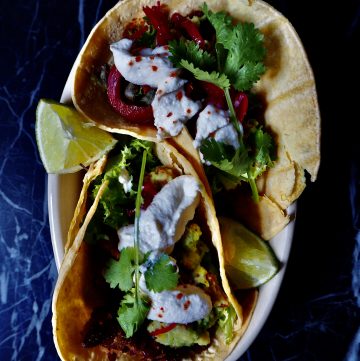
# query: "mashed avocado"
{"points": [[179, 336]]}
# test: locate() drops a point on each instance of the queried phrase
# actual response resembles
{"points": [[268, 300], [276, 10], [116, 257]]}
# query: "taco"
{"points": [[267, 129], [165, 297]]}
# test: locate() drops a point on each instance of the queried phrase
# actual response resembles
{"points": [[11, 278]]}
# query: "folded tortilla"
{"points": [[287, 88], [76, 296]]}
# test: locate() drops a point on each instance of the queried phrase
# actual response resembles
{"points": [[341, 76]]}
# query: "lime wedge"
{"points": [[66, 140], [249, 260]]}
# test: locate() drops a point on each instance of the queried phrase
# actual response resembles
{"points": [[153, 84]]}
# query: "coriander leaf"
{"points": [[190, 51], [245, 45], [264, 145], [132, 313], [214, 77], [162, 275], [247, 75], [120, 273], [221, 22], [223, 157]]}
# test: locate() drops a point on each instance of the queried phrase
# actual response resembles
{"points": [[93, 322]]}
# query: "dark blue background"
{"points": [[317, 315]]}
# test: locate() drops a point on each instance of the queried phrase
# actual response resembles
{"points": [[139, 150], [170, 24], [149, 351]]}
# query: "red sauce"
{"points": [[161, 330], [160, 315], [179, 296], [169, 114], [162, 309], [179, 95], [188, 110], [138, 58], [209, 112], [131, 63], [173, 74], [187, 304], [154, 67]]}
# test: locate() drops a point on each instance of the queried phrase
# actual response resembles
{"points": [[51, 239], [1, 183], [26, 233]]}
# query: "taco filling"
{"points": [[195, 70], [154, 274]]}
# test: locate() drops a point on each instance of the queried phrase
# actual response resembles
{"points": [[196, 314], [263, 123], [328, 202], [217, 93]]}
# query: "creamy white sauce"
{"points": [[183, 305], [153, 68], [161, 225], [215, 123], [126, 180], [171, 111], [164, 221]]}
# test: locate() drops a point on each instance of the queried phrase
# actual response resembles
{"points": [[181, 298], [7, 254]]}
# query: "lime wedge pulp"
{"points": [[66, 140], [249, 260]]}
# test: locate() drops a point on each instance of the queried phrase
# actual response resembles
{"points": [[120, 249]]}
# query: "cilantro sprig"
{"points": [[237, 63], [124, 273]]}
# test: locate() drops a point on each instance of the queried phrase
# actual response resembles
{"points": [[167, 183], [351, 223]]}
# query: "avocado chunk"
{"points": [[179, 336]]}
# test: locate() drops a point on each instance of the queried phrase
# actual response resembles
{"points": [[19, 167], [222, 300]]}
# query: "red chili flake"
{"points": [[154, 67], [175, 121], [173, 74], [169, 114], [152, 57], [159, 92], [161, 128], [209, 112], [188, 110], [162, 309], [179, 296], [138, 58], [131, 63], [179, 95], [160, 315], [187, 304]]}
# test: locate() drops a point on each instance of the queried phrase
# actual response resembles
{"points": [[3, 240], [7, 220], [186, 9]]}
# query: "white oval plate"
{"points": [[63, 193]]}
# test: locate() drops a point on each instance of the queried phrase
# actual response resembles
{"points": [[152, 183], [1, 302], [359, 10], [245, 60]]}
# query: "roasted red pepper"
{"points": [[148, 192], [241, 103], [158, 16], [214, 95], [131, 112], [135, 29], [189, 27]]}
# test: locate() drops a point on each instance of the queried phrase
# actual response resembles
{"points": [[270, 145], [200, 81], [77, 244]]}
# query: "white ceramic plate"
{"points": [[63, 192]]}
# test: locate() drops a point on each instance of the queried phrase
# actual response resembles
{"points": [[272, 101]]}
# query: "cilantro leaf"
{"points": [[264, 145], [132, 313], [120, 273], [245, 49], [247, 75], [225, 158], [221, 22], [161, 275], [190, 51], [214, 77]]}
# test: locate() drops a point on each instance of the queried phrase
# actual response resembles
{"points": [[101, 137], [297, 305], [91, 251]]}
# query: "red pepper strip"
{"points": [[215, 95], [130, 112], [190, 28], [158, 16], [162, 330], [134, 30], [148, 192], [241, 103]]}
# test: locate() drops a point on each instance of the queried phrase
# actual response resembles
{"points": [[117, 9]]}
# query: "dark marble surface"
{"points": [[317, 314]]}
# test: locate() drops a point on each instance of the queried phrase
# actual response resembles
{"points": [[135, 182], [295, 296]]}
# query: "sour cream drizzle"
{"points": [[171, 107]]}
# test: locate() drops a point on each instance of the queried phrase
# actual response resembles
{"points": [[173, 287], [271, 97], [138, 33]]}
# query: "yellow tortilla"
{"points": [[75, 296], [287, 88]]}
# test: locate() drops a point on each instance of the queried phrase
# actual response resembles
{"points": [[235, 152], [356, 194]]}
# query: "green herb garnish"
{"points": [[162, 275]]}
